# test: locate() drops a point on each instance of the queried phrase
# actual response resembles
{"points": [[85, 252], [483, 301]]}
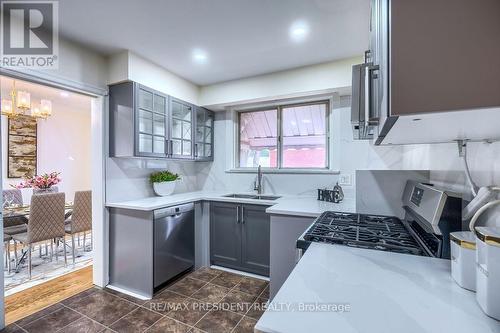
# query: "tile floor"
{"points": [[206, 300]]}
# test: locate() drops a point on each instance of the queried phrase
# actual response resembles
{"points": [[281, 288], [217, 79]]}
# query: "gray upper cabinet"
{"points": [[204, 136], [240, 237], [147, 123], [431, 73]]}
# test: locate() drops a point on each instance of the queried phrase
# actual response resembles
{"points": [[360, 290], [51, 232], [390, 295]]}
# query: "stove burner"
{"points": [[366, 231]]}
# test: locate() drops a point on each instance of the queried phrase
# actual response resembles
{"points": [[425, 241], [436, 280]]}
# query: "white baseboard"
{"points": [[260, 277], [126, 292]]}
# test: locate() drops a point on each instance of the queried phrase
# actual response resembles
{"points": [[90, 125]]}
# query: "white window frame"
{"points": [[279, 106]]}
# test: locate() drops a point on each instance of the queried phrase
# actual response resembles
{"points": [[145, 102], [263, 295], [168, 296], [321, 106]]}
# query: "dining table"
{"points": [[24, 210]]}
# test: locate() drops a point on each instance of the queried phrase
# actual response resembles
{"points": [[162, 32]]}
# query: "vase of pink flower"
{"points": [[42, 183]]}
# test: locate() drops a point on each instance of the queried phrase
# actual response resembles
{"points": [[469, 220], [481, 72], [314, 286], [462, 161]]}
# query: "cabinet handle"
{"points": [[167, 147], [195, 150], [242, 212], [237, 214], [171, 147]]}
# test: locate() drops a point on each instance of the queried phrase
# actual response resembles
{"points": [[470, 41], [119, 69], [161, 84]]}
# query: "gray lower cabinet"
{"points": [[239, 237]]}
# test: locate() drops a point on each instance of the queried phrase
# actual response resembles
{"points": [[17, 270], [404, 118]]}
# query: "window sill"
{"points": [[286, 171]]}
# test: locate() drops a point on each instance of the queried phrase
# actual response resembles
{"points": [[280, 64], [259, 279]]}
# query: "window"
{"points": [[259, 139], [285, 136]]}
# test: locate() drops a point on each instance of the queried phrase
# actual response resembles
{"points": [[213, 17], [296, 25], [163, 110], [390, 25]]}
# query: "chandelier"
{"points": [[20, 104]]}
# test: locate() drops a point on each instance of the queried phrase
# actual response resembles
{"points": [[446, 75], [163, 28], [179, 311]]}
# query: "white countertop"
{"points": [[286, 205], [309, 206], [386, 292]]}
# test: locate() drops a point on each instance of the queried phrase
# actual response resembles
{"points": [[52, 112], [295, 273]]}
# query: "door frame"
{"points": [[99, 142]]}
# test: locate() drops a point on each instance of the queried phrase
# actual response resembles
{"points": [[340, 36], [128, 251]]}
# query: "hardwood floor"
{"points": [[29, 301]]}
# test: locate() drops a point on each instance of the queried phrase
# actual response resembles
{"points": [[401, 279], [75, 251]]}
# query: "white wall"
{"points": [[78, 67], [315, 79], [63, 145], [130, 66], [446, 168]]}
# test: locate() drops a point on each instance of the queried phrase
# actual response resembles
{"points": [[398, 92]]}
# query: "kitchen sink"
{"points": [[242, 196], [251, 196], [266, 197]]}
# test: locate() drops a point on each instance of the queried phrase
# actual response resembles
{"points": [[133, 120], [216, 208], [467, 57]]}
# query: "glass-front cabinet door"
{"points": [[181, 122], [204, 134], [151, 123]]}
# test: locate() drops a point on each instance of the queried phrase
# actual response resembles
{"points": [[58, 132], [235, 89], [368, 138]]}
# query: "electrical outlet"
{"points": [[345, 180]]}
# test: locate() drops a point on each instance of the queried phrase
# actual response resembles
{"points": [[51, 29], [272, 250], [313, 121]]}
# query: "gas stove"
{"points": [[430, 215], [378, 232]]}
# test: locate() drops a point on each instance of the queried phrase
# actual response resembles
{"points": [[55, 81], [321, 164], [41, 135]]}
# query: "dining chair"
{"points": [[81, 218], [13, 225], [46, 222], [14, 196]]}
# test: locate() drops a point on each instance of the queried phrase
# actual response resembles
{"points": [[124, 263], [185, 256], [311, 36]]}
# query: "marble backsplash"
{"points": [[128, 178]]}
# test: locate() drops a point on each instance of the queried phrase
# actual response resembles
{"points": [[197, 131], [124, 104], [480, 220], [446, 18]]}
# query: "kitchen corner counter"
{"points": [[306, 206], [309, 206], [384, 292]]}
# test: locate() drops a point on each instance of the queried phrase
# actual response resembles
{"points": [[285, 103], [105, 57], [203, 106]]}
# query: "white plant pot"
{"points": [[164, 188]]}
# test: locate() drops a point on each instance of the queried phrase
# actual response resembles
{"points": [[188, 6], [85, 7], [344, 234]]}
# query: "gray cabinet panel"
{"points": [[444, 55], [225, 235], [131, 250], [284, 233], [255, 239], [121, 120], [204, 135]]}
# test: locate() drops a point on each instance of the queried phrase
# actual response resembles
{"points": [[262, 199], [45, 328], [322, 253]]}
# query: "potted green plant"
{"points": [[164, 182]]}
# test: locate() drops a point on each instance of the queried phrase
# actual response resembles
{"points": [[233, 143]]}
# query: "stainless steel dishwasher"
{"points": [[173, 242]]}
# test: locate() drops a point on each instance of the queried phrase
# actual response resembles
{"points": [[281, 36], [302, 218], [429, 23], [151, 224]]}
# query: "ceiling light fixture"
{"points": [[20, 104], [299, 31], [200, 56], [64, 94]]}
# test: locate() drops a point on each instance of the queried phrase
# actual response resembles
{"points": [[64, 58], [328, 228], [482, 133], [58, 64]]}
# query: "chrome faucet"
{"points": [[257, 185]]}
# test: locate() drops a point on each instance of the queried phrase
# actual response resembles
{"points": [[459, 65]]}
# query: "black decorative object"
{"points": [[336, 195]]}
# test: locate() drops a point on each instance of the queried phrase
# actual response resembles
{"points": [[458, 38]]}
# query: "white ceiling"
{"points": [[242, 38]]}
